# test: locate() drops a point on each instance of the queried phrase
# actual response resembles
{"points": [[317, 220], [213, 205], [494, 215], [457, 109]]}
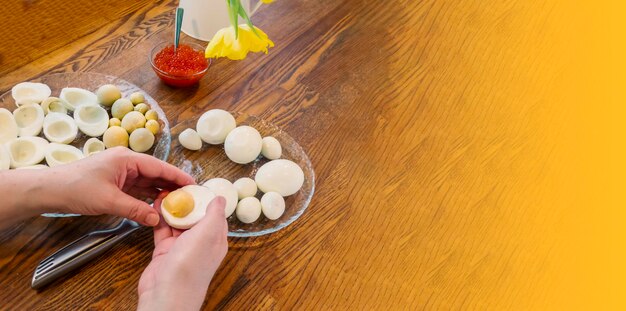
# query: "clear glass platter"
{"points": [[211, 161], [91, 81]]}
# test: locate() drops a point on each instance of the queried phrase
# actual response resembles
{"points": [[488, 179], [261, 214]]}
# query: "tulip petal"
{"points": [[226, 43]]}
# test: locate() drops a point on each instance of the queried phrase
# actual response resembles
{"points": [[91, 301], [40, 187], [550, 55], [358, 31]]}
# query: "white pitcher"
{"points": [[203, 18]]}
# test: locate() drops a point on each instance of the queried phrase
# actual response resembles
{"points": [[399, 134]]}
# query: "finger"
{"points": [[153, 168], [125, 205], [143, 193], [162, 231], [157, 183], [211, 226], [177, 232], [163, 247]]}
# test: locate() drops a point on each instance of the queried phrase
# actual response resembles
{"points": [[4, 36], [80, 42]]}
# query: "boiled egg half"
{"points": [[224, 188], [185, 207], [214, 125], [30, 93], [243, 144], [282, 176], [8, 127]]}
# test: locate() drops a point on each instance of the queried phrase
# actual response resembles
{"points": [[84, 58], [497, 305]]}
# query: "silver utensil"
{"points": [[80, 252]]}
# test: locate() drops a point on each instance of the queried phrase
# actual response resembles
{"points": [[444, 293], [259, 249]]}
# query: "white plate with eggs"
{"points": [[57, 120], [213, 164]]}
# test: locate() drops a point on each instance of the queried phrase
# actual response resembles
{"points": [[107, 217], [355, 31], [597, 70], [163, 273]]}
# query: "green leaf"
{"points": [[233, 9], [244, 15]]}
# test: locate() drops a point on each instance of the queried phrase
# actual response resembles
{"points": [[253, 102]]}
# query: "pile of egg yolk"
{"points": [[179, 203]]}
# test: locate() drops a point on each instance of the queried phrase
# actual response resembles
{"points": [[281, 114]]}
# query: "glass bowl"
{"points": [[211, 161], [177, 80], [91, 81]]}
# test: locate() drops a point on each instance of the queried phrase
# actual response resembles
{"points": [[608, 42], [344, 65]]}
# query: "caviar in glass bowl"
{"points": [[182, 67]]}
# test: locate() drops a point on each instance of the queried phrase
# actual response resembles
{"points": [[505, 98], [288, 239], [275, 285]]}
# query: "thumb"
{"points": [[212, 228], [126, 206], [216, 209]]}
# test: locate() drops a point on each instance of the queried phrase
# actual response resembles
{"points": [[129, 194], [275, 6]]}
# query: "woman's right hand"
{"points": [[184, 261]]}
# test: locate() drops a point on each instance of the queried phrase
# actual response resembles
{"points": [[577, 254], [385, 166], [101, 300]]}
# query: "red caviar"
{"points": [[181, 68]]}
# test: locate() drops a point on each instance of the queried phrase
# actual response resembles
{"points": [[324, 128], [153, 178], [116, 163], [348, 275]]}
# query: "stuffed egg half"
{"points": [[185, 207]]}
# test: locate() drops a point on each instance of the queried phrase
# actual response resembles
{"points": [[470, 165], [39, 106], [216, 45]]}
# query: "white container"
{"points": [[203, 18]]}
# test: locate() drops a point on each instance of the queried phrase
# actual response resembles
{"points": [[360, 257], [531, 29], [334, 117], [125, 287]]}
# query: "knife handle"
{"points": [[80, 252]]}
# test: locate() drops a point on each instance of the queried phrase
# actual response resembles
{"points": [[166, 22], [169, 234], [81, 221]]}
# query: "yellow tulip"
{"points": [[267, 1], [224, 43]]}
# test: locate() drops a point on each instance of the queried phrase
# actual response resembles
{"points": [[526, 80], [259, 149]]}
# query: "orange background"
{"points": [[576, 175]]}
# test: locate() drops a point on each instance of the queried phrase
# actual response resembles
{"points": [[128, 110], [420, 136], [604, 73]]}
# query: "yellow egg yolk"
{"points": [[179, 203]]}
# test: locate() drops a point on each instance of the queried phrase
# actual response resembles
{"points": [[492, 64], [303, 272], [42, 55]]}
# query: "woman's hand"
{"points": [[183, 262], [108, 182]]}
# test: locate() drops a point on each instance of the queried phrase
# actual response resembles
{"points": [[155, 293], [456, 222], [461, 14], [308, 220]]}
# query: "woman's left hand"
{"points": [[109, 182]]}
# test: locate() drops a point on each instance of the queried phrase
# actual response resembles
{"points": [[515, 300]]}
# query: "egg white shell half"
{"points": [[91, 120], [224, 188], [5, 158], [29, 119], [243, 144], [190, 139], [272, 205], [92, 145], [271, 148], [59, 128], [202, 196], [214, 125], [282, 176], [33, 167], [59, 154], [53, 104], [75, 97], [248, 210], [246, 187], [8, 127], [27, 151], [30, 93]]}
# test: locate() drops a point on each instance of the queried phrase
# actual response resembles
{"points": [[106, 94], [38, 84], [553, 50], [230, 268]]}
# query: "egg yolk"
{"points": [[179, 203]]}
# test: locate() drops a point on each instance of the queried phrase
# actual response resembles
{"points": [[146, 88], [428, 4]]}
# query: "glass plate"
{"points": [[211, 161], [91, 81]]}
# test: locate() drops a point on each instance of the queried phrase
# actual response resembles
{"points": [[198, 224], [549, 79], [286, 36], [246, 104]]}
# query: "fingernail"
{"points": [[152, 219], [220, 200]]}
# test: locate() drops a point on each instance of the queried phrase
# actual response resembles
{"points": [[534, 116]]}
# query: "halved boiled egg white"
{"points": [[59, 154], [282, 176], [59, 128], [27, 151], [75, 97], [214, 125], [224, 188], [91, 120], [30, 93], [8, 127], [272, 205], [29, 119], [243, 144], [33, 167], [185, 207], [246, 187], [92, 145], [5, 158], [248, 210], [190, 139], [271, 148], [53, 104]]}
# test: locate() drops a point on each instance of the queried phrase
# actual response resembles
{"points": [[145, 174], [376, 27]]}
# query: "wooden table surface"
{"points": [[412, 113]]}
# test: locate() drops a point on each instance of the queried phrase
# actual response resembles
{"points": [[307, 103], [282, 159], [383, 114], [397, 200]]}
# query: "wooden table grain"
{"points": [[413, 146]]}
